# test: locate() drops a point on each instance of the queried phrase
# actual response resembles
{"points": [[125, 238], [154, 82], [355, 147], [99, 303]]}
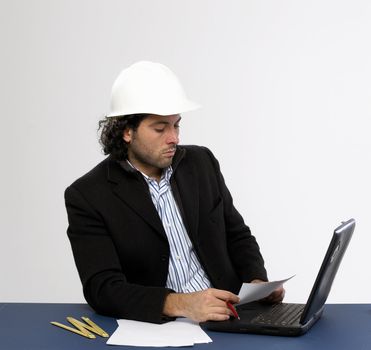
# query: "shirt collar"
{"points": [[166, 173]]}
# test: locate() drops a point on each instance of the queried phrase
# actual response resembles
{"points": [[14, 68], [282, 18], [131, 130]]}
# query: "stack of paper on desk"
{"points": [[182, 332]]}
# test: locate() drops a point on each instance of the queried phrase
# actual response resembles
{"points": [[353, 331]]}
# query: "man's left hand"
{"points": [[275, 297]]}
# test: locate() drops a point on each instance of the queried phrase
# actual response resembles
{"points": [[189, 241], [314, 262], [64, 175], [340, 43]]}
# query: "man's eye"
{"points": [[159, 130]]}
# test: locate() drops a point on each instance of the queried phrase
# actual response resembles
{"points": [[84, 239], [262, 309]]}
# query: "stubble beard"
{"points": [[150, 159]]}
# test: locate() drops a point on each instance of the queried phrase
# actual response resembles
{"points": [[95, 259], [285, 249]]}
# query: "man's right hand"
{"points": [[206, 305]]}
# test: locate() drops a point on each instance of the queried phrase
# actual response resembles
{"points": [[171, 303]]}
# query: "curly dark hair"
{"points": [[111, 137]]}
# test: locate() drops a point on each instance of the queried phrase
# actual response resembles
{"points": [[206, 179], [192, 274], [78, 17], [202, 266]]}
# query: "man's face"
{"points": [[152, 146]]}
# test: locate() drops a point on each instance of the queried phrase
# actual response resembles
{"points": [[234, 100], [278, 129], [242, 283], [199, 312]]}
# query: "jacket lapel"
{"points": [[131, 188], [188, 188]]}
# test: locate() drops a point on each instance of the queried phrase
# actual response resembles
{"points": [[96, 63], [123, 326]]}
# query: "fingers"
{"points": [[223, 295], [217, 314], [215, 303], [276, 296], [219, 309]]}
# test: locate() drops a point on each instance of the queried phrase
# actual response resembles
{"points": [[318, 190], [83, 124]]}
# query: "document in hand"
{"points": [[182, 332], [255, 291]]}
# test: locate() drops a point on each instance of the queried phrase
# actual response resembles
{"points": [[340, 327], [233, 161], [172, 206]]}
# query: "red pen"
{"points": [[231, 307]]}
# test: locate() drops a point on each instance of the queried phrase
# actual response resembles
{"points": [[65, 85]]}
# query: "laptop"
{"points": [[287, 319]]}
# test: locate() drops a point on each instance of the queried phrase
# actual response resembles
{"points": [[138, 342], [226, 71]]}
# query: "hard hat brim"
{"points": [[188, 106]]}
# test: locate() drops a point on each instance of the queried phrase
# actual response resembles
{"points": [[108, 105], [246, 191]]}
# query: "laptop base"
{"points": [[252, 313]]}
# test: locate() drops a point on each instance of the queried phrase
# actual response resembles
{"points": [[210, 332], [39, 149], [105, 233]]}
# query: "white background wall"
{"points": [[286, 92]]}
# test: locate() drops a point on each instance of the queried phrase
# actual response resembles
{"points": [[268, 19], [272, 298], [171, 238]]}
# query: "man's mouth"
{"points": [[170, 151]]}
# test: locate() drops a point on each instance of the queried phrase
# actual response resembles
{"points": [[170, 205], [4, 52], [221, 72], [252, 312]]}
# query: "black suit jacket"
{"points": [[121, 249]]}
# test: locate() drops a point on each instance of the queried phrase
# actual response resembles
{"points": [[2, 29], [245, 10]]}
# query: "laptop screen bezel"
{"points": [[328, 270]]}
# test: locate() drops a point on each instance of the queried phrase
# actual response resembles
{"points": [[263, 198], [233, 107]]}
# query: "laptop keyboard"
{"points": [[280, 315]]}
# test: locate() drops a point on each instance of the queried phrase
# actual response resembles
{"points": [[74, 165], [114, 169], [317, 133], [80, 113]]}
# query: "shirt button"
{"points": [[178, 257]]}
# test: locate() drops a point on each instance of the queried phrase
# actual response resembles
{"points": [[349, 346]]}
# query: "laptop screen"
{"points": [[327, 272]]}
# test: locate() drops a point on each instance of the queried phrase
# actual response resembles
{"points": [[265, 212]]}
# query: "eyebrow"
{"points": [[164, 122]]}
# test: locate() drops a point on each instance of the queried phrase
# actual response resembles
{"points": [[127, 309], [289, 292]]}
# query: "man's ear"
{"points": [[127, 134]]}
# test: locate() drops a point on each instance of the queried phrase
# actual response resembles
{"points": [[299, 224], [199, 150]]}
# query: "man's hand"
{"points": [[275, 297], [209, 304]]}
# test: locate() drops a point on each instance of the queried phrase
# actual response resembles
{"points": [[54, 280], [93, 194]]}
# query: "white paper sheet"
{"points": [[182, 332], [256, 291]]}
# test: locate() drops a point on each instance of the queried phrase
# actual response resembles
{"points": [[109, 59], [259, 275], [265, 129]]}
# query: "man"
{"points": [[153, 228]]}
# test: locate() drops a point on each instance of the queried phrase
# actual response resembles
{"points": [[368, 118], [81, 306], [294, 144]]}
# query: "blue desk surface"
{"points": [[26, 326]]}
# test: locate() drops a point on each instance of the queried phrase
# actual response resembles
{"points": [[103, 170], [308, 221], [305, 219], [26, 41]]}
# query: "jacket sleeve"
{"points": [[243, 248], [104, 284]]}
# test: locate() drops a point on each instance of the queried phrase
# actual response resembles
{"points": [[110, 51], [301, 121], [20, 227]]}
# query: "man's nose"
{"points": [[173, 136]]}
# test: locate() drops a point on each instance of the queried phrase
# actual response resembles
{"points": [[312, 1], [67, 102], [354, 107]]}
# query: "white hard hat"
{"points": [[147, 87]]}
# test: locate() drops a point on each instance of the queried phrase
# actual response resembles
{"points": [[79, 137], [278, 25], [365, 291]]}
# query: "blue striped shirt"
{"points": [[185, 273]]}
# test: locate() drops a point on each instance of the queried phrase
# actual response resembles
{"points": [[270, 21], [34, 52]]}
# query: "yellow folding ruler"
{"points": [[84, 329]]}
